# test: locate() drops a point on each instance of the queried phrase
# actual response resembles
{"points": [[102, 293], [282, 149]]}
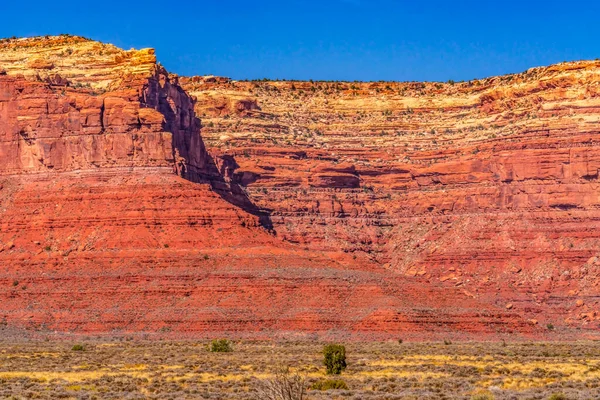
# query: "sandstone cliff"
{"points": [[135, 201], [490, 186], [73, 104]]}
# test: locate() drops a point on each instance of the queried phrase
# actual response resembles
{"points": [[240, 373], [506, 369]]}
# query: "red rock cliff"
{"points": [[421, 210], [489, 186], [71, 104]]}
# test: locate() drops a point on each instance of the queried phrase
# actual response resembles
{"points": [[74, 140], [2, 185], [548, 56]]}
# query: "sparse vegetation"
{"points": [[185, 370], [483, 396], [330, 384], [557, 396]]}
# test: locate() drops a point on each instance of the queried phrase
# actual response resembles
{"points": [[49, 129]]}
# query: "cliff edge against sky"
{"points": [[136, 201]]}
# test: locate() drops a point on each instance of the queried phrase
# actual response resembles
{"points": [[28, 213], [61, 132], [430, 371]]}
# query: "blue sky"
{"points": [[328, 39]]}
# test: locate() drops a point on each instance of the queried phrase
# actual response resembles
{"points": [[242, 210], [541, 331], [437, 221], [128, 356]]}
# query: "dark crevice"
{"points": [[102, 109], [564, 207]]}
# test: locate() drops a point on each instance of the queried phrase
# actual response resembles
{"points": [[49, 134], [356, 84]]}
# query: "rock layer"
{"points": [[135, 201]]}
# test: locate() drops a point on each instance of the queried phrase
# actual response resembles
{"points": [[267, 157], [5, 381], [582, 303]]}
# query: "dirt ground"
{"points": [[390, 370]]}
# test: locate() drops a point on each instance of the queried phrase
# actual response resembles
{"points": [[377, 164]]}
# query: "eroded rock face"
{"points": [[149, 253], [422, 210], [45, 128], [100, 107], [490, 186], [163, 94]]}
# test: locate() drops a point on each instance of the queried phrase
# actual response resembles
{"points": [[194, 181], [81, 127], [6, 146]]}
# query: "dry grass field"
{"points": [[391, 370]]}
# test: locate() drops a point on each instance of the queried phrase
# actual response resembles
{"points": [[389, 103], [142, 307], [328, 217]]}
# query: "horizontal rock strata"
{"points": [[133, 201]]}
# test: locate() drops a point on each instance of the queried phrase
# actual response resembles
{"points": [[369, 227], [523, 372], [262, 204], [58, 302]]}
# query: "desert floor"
{"points": [[129, 369]]}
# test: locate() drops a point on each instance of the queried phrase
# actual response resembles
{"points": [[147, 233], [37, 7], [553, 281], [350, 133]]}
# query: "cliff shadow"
{"points": [[225, 183], [192, 161]]}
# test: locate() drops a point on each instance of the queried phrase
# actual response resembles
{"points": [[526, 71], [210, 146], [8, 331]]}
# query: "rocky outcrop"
{"points": [[45, 128], [163, 93], [133, 201], [100, 108]]}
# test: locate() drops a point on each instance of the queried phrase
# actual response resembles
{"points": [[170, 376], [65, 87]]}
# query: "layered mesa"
{"points": [[133, 201]]}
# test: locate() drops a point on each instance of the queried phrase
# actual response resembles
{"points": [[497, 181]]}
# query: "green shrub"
{"points": [[334, 358], [557, 396], [330, 384], [78, 347], [220, 346]]}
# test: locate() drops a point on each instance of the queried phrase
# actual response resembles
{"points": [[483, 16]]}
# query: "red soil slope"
{"points": [[330, 212]]}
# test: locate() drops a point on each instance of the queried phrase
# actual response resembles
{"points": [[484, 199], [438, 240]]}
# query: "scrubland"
{"points": [[390, 370]]}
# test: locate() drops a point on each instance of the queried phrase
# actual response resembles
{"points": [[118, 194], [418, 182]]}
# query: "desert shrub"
{"points": [[466, 371], [220, 346], [284, 386], [538, 372], [483, 396], [334, 358], [78, 347], [330, 384], [557, 396]]}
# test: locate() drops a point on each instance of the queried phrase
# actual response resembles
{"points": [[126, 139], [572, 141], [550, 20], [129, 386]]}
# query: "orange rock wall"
{"points": [[133, 201], [490, 186]]}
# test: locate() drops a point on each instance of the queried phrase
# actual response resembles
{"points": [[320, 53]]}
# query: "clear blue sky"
{"points": [[328, 39]]}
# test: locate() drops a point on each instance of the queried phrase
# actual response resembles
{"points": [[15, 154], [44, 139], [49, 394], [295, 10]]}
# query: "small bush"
{"points": [[220, 346], [284, 386], [483, 396], [557, 396], [330, 384], [550, 327], [334, 358], [78, 347]]}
